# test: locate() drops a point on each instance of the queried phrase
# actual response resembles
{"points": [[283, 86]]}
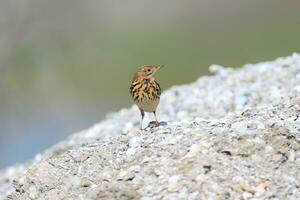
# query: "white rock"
{"points": [[75, 181], [194, 151], [269, 149], [135, 142], [292, 155], [33, 193]]}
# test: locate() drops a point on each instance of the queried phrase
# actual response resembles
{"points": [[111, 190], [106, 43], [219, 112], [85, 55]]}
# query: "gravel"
{"points": [[233, 135]]}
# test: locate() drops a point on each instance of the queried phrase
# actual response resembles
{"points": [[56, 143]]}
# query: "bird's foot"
{"points": [[157, 123], [153, 124]]}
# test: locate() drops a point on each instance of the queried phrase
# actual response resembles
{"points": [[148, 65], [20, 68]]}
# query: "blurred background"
{"points": [[65, 63]]}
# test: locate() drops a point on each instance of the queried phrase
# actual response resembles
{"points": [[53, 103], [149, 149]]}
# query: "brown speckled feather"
{"points": [[144, 90]]}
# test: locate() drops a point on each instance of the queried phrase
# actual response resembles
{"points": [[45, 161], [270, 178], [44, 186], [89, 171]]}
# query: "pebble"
{"points": [[269, 149], [131, 151], [292, 155], [126, 175], [175, 139], [193, 151], [197, 133], [247, 195], [33, 193], [75, 181], [136, 142], [241, 127]]}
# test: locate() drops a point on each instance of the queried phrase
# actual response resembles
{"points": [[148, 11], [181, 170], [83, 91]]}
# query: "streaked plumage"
{"points": [[145, 90]]}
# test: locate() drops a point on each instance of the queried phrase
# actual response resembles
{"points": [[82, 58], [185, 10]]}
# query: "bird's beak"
{"points": [[155, 69], [159, 67]]}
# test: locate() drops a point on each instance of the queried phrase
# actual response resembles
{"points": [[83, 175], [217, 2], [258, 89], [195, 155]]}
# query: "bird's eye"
{"points": [[149, 70]]}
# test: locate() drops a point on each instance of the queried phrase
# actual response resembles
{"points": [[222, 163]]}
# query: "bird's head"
{"points": [[147, 71]]}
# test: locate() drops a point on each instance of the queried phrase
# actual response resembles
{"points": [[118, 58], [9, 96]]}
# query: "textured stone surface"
{"points": [[234, 135]]}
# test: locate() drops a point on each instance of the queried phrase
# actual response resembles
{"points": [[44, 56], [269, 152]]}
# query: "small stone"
{"points": [[93, 193], [126, 175], [85, 183], [246, 188], [256, 158], [240, 127], [135, 168], [175, 139], [218, 69], [173, 187], [33, 192], [247, 195], [131, 151], [296, 101], [52, 194], [194, 150], [106, 174], [206, 144], [201, 178], [135, 142], [261, 188], [292, 155], [268, 149], [175, 178], [197, 133], [75, 181]]}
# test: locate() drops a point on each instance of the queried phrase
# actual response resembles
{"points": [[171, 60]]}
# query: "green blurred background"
{"points": [[65, 63]]}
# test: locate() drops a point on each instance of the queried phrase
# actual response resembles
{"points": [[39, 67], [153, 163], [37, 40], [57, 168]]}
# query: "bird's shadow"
{"points": [[152, 124]]}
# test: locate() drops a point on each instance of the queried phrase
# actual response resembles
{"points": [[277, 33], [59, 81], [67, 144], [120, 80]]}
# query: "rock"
{"points": [[131, 151], [33, 193], [241, 127], [261, 189], [246, 187], [193, 151], [175, 139], [296, 101], [234, 135], [269, 149], [247, 195], [93, 193], [126, 175], [174, 185], [292, 155], [75, 181], [134, 144]]}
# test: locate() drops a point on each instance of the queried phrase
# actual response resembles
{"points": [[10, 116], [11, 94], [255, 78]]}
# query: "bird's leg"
{"points": [[143, 115], [156, 121]]}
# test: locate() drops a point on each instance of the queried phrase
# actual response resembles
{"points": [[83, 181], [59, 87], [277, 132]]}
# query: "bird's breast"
{"points": [[145, 91]]}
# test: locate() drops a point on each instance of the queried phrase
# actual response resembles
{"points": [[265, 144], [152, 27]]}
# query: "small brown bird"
{"points": [[146, 91]]}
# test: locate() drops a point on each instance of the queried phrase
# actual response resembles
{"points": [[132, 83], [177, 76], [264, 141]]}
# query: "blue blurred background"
{"points": [[65, 63]]}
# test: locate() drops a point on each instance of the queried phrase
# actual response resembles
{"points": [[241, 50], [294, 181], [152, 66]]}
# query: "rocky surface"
{"points": [[234, 135]]}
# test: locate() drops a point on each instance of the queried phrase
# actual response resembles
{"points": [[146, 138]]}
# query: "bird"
{"points": [[146, 91]]}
